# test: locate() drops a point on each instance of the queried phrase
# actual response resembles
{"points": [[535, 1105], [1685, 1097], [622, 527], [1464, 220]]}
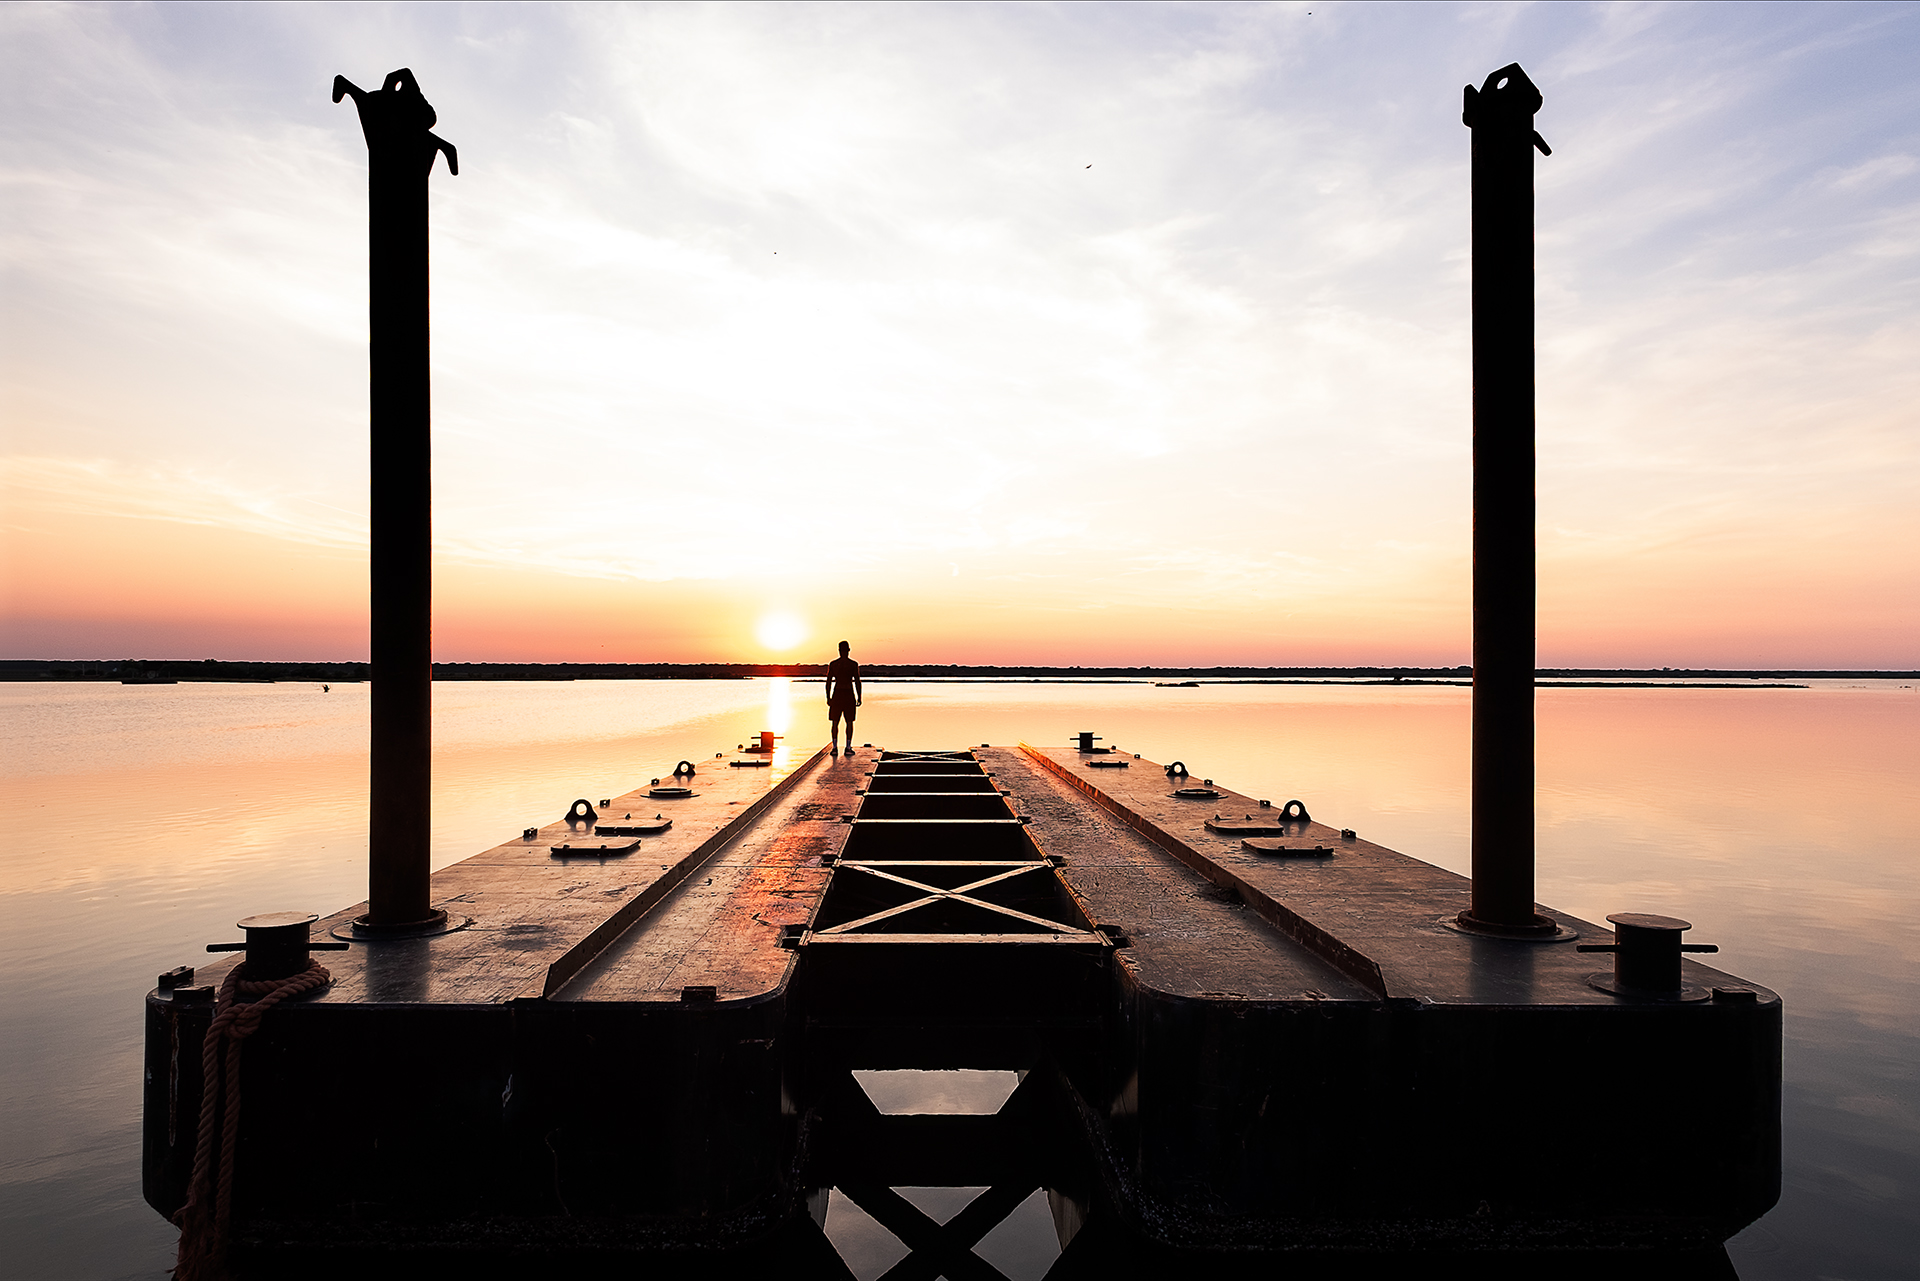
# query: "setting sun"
{"points": [[780, 631]]}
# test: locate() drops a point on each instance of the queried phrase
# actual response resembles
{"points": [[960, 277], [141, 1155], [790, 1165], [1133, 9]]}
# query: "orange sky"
{"points": [[991, 334]]}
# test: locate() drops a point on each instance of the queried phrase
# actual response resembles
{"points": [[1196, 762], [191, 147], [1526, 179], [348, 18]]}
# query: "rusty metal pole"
{"points": [[1500, 114], [400, 153]]}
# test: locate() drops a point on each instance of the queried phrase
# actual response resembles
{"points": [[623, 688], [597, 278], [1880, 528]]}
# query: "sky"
{"points": [[1099, 334]]}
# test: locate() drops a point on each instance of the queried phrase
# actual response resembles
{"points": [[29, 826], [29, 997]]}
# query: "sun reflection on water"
{"points": [[780, 720]]}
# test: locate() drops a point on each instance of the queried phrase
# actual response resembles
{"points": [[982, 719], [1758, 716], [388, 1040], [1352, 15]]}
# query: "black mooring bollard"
{"points": [[1646, 960], [277, 944]]}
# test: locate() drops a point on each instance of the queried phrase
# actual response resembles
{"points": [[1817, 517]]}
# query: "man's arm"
{"points": [[857, 697]]}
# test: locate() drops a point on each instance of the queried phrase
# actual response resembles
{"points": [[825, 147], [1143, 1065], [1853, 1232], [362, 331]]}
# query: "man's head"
{"points": [[844, 647]]}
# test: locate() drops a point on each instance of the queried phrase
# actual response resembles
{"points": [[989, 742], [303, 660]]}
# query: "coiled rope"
{"points": [[204, 1219]]}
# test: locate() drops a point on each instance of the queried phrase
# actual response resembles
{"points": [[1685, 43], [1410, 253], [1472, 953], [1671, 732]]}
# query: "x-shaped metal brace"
{"points": [[935, 894]]}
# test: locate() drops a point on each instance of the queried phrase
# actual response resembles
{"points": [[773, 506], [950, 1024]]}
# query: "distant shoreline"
{"points": [[175, 671]]}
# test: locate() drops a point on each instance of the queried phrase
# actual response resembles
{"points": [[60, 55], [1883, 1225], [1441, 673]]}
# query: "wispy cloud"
{"points": [[182, 495]]}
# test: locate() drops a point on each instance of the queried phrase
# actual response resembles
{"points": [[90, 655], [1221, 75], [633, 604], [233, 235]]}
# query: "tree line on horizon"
{"points": [[144, 670]]}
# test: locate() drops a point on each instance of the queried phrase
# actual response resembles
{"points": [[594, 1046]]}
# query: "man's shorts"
{"points": [[840, 707]]}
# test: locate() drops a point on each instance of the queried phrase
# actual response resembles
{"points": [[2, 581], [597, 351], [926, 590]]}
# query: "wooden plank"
{"points": [[723, 929], [1186, 936], [1079, 937], [1348, 959], [576, 957], [528, 908], [1390, 908], [939, 822]]}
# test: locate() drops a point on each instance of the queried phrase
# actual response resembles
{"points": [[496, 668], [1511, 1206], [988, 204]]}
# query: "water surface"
{"points": [[147, 819]]}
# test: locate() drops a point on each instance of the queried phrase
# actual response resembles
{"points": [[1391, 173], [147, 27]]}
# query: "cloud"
{"points": [[829, 294], [1877, 170], [103, 488]]}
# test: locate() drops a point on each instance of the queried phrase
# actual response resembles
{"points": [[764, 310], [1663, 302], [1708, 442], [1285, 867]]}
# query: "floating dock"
{"points": [[628, 1038], [1242, 1030]]}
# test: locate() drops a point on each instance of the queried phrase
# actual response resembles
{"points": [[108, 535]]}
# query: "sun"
{"points": [[781, 630]]}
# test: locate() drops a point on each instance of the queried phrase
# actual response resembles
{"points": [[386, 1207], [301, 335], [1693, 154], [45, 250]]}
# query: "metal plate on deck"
{"points": [[633, 827], [1283, 849], [603, 850], [1252, 826]]}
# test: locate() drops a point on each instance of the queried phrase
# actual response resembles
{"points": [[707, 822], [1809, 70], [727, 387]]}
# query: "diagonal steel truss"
{"points": [[1006, 869]]}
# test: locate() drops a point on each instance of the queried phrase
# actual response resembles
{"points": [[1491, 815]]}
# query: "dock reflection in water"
{"points": [[1780, 822], [1025, 1242]]}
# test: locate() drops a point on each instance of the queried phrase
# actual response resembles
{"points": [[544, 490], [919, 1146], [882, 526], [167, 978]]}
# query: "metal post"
{"points": [[1501, 117], [400, 154]]}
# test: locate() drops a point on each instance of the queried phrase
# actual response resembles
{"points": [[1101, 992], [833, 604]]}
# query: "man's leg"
{"points": [[833, 732]]}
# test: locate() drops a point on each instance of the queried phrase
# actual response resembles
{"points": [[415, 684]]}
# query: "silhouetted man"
{"points": [[843, 696]]}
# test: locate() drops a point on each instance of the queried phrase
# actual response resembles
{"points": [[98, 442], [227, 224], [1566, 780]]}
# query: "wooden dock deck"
{"points": [[1238, 1034], [1255, 1030]]}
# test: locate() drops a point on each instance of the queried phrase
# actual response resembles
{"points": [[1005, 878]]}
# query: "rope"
{"points": [[204, 1219]]}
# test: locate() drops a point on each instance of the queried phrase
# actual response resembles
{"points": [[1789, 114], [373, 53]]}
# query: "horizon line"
{"points": [[16, 668]]}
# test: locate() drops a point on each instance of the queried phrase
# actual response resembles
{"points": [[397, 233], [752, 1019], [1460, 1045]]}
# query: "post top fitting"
{"points": [[1507, 100], [397, 115]]}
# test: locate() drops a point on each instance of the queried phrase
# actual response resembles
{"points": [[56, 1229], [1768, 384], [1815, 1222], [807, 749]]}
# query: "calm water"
{"points": [[1781, 822]]}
